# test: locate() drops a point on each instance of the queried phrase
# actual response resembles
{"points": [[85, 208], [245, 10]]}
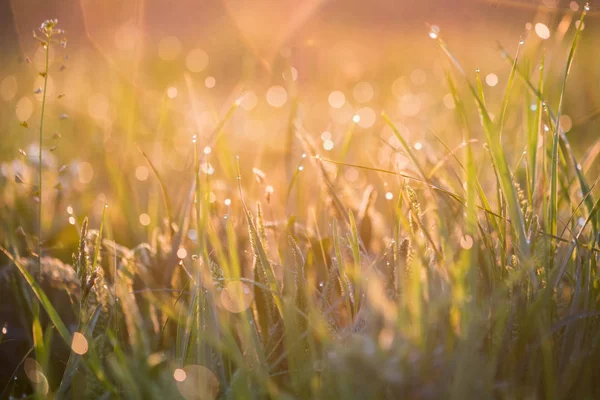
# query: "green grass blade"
{"points": [[553, 206]]}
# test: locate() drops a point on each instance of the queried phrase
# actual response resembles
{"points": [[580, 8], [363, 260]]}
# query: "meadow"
{"points": [[353, 232]]}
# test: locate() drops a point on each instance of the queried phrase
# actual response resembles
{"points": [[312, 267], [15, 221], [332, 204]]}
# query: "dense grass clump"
{"points": [[466, 272]]}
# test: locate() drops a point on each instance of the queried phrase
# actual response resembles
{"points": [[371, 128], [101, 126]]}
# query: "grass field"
{"points": [[367, 235]]}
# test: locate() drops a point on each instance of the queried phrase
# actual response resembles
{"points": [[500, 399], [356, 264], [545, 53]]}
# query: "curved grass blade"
{"points": [[499, 156], [564, 141], [553, 206], [163, 190]]}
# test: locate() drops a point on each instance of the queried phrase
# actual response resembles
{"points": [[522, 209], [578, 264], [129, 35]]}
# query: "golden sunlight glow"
{"points": [[363, 92], [342, 115], [336, 99], [276, 96], [98, 106], [127, 37], [410, 105], [399, 87], [85, 172], [24, 108], [141, 173], [169, 48], [367, 117], [448, 101], [418, 77], [249, 101], [8, 88], [236, 297], [196, 60]]}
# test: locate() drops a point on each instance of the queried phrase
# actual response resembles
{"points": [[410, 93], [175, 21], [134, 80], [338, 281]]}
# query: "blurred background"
{"points": [[153, 73]]}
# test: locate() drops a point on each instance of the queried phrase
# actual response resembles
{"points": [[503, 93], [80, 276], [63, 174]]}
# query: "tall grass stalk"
{"points": [[46, 46]]}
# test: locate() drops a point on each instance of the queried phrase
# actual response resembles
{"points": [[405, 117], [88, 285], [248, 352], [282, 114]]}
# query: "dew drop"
{"points": [[434, 32]]}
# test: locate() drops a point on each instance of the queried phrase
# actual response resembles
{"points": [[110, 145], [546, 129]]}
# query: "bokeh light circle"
{"points": [[197, 383], [236, 297], [196, 60]]}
